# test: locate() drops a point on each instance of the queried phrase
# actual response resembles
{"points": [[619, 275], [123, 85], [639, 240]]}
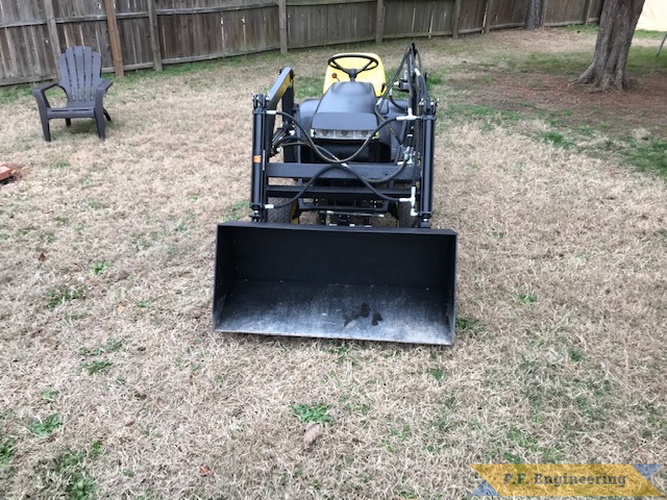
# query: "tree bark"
{"points": [[534, 15], [617, 26]]}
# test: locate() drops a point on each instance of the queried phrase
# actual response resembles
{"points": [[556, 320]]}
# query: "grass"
{"points": [[568, 63], [555, 138], [133, 79], [10, 95], [312, 413], [64, 294], [526, 298], [642, 60], [560, 308], [649, 154], [649, 35], [466, 323], [67, 475], [50, 395], [308, 87], [97, 366], [111, 345], [43, 428], [487, 114], [235, 211], [7, 450], [99, 267], [438, 373]]}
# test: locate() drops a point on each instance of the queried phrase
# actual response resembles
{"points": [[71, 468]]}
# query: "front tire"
{"points": [[282, 215], [404, 217]]}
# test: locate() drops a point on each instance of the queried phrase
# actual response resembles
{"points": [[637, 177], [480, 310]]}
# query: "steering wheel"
{"points": [[353, 72]]}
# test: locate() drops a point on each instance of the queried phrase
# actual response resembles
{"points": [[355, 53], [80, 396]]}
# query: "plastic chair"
{"points": [[80, 71]]}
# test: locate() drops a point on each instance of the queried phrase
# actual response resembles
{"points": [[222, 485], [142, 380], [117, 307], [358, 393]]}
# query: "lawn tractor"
{"points": [[340, 243]]}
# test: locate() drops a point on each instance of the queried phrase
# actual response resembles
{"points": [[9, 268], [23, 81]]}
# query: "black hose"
{"points": [[310, 183], [336, 160], [373, 182]]}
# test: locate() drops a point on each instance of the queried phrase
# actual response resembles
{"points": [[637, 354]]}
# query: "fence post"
{"points": [[587, 8], [379, 21], [455, 18], [487, 16], [114, 37], [282, 25], [154, 34], [53, 31]]}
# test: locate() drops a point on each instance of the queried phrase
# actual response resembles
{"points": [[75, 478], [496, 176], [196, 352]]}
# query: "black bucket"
{"points": [[385, 284]]}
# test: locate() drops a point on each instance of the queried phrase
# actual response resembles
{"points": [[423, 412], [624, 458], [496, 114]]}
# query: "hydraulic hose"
{"points": [[310, 142], [374, 182], [310, 183]]}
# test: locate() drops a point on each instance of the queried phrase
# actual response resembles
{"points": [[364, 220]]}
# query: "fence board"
{"points": [[594, 11], [135, 41], [193, 30], [564, 12], [472, 16], [508, 14], [92, 34], [21, 11], [419, 18], [323, 23], [24, 54]]}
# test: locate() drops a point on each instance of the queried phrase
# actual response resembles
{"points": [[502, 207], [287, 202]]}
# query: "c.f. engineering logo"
{"points": [[522, 478], [585, 480]]}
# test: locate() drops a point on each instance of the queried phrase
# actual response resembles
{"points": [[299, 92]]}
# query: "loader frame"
{"points": [[413, 182], [343, 277]]}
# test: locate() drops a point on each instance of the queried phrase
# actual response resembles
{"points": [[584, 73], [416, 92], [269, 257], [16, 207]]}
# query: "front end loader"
{"points": [[340, 243]]}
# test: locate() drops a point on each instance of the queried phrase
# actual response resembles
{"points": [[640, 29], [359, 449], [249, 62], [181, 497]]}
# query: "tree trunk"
{"points": [[534, 15], [617, 26]]}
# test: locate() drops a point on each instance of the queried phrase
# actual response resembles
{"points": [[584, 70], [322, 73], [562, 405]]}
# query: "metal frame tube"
{"points": [[428, 138], [258, 182]]}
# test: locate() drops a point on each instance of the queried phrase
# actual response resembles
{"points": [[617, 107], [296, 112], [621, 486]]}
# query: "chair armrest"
{"points": [[43, 88], [101, 89], [40, 93], [104, 86]]}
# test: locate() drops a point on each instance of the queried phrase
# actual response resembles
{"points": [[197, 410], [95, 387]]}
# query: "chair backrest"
{"points": [[80, 73]]}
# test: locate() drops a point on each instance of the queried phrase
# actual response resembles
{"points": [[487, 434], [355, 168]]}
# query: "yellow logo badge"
{"points": [[577, 480]]}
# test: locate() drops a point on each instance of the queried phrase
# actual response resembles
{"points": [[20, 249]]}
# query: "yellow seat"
{"points": [[376, 76]]}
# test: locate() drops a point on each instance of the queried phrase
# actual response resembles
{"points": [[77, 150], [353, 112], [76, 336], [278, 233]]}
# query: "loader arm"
{"points": [[351, 157]]}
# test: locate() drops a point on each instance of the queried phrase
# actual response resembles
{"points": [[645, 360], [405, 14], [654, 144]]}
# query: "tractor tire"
{"points": [[280, 215], [404, 217]]}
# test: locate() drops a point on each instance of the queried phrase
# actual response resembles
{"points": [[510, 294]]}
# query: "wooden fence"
{"points": [[135, 34]]}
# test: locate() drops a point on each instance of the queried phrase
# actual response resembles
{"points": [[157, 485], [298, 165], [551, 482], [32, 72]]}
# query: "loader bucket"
{"points": [[384, 284]]}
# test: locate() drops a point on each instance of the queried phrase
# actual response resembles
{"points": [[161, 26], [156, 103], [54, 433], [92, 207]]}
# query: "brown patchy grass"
{"points": [[107, 252]]}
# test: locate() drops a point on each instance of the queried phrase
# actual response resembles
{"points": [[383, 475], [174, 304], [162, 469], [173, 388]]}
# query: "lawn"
{"points": [[113, 383]]}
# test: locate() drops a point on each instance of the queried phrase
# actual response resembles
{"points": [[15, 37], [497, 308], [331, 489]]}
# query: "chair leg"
{"points": [[99, 121], [108, 116], [46, 129], [68, 122]]}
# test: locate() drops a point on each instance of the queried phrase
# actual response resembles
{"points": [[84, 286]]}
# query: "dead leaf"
{"points": [[120, 308], [42, 257], [204, 471], [313, 432]]}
